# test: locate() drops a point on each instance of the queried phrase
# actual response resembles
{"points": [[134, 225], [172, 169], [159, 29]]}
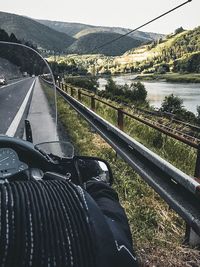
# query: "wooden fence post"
{"points": [[92, 103], [72, 91], [79, 95], [120, 118], [197, 166]]}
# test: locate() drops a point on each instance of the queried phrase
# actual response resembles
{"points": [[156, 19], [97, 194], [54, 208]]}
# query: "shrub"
{"points": [[89, 83], [172, 104], [136, 92]]}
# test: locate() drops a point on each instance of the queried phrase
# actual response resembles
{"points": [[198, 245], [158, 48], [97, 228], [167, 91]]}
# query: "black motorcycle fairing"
{"points": [[39, 160], [27, 153], [78, 169]]}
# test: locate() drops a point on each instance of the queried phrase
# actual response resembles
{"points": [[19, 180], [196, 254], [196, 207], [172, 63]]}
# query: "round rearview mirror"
{"points": [[93, 168]]}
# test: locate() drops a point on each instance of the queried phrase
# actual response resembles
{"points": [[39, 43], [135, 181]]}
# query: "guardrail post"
{"points": [[190, 236], [120, 118], [79, 95], [93, 103]]}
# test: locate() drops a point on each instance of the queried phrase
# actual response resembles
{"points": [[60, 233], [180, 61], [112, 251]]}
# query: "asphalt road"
{"points": [[11, 98]]}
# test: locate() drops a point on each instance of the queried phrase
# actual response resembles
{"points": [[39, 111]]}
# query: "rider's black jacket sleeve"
{"points": [[116, 240]]}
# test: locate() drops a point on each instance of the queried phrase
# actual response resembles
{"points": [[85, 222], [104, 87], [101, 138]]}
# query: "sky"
{"points": [[114, 13]]}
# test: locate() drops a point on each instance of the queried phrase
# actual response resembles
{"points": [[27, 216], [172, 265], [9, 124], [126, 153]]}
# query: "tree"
{"points": [[111, 86], [139, 93], [186, 115], [89, 83], [179, 30], [135, 92], [172, 104]]}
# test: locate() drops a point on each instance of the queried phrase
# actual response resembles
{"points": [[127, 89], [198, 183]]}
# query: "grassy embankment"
{"points": [[157, 230], [171, 77]]}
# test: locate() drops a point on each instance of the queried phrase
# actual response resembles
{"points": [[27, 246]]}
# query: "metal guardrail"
{"points": [[179, 190]]}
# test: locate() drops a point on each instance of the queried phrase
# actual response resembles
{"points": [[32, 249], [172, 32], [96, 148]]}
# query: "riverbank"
{"points": [[171, 77]]}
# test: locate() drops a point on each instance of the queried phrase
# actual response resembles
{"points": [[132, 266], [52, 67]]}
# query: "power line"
{"points": [[122, 36]]}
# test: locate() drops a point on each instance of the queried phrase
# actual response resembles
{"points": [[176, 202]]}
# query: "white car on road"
{"points": [[3, 81]]}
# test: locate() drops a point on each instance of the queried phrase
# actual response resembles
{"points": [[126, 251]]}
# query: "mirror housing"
{"points": [[93, 168]]}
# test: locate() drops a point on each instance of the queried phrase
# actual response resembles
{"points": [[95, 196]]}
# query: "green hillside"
{"points": [[177, 52], [87, 44], [78, 30], [39, 34]]}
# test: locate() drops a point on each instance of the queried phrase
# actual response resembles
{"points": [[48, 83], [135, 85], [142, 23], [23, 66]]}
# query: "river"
{"points": [[156, 91]]}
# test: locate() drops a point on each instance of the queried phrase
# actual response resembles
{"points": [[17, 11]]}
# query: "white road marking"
{"points": [[15, 123]]}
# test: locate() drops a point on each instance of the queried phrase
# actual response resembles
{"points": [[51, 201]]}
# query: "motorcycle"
{"points": [[23, 153]]}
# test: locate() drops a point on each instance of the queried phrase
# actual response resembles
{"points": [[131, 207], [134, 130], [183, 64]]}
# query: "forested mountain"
{"points": [[65, 27], [38, 34], [87, 37], [9, 70], [177, 52], [89, 43], [78, 30]]}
